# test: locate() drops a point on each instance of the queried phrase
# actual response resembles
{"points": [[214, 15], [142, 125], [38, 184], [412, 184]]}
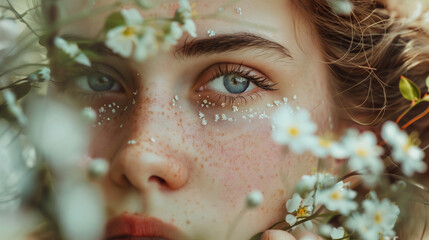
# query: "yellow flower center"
{"points": [[324, 142], [336, 195], [378, 218], [293, 131], [302, 212], [361, 152], [129, 31]]}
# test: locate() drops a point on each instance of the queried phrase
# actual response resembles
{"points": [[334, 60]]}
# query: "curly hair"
{"points": [[367, 52]]}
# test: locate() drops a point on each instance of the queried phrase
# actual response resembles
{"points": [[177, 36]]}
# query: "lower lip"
{"points": [[134, 227]]}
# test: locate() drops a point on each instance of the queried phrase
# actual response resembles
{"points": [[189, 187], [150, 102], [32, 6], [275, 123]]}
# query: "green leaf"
{"points": [[426, 98], [409, 90], [114, 20]]}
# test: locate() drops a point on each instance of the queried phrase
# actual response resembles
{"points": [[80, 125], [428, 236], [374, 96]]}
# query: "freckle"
{"points": [[188, 222]]}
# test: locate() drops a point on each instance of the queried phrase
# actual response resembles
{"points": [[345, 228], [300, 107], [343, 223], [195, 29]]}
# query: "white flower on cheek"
{"points": [[294, 129], [404, 152], [338, 198], [122, 39], [302, 208], [72, 50], [364, 154]]}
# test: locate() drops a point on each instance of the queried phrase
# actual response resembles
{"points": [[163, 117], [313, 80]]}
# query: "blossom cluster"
{"points": [[128, 34], [323, 196]]}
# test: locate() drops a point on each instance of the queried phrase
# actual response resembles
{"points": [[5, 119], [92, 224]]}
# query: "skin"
{"points": [[197, 177]]}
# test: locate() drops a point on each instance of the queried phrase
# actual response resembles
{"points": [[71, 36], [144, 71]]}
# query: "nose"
{"points": [[142, 167], [151, 153]]}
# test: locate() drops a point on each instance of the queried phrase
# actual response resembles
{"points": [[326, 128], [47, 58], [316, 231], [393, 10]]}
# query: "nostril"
{"points": [[158, 180]]}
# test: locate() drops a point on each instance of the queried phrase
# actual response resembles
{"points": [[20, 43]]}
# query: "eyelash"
{"points": [[238, 69], [76, 71], [222, 69]]}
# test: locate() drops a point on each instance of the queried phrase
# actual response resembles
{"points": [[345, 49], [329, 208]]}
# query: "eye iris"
{"points": [[100, 83], [235, 83]]}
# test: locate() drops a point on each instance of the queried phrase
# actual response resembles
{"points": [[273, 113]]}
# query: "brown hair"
{"points": [[367, 52]]}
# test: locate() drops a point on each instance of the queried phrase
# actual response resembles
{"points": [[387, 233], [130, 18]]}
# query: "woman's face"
{"points": [[188, 132]]}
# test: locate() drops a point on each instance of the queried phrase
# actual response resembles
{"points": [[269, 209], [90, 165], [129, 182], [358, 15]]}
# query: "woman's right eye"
{"points": [[97, 82]]}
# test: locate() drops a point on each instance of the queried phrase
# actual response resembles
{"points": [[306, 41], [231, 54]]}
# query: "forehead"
{"points": [[271, 16]]}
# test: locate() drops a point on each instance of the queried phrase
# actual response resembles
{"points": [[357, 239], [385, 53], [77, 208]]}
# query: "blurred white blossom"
{"points": [[337, 198], [13, 106], [341, 7], [58, 131], [337, 233], [80, 211], [377, 220], [184, 16], [254, 199], [41, 75], [404, 152], [146, 45], [364, 154], [122, 39], [316, 181], [324, 147], [294, 129], [15, 177], [98, 168], [72, 50]]}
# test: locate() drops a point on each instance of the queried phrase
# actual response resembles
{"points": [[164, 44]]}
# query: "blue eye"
{"points": [[235, 84], [97, 82], [231, 83]]}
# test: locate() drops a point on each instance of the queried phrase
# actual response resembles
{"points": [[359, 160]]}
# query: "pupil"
{"points": [[235, 83], [100, 83]]}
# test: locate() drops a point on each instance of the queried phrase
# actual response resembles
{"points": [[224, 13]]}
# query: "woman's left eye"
{"points": [[231, 83], [97, 82], [234, 81]]}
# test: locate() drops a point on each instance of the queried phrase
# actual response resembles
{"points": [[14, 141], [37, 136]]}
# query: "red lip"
{"points": [[129, 226]]}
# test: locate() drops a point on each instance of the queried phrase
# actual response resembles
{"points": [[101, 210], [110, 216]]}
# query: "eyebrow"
{"points": [[222, 43], [229, 43]]}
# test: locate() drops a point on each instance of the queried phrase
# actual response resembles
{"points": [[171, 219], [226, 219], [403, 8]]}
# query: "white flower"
{"points": [[294, 129], [341, 7], [377, 220], [122, 39], [183, 16], [308, 182], [13, 107], [338, 198], [72, 50], [58, 131], [89, 114], [98, 168], [146, 45], [172, 34], [337, 233], [404, 152], [302, 208], [254, 199], [364, 153], [41, 75], [75, 200], [324, 147], [189, 26]]}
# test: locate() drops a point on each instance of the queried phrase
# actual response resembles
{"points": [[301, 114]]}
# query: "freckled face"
{"points": [[189, 136]]}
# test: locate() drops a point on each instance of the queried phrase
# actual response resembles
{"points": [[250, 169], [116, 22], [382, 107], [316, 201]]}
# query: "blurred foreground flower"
{"points": [[58, 131], [80, 210], [404, 151], [377, 220], [9, 31], [17, 157], [72, 51]]}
